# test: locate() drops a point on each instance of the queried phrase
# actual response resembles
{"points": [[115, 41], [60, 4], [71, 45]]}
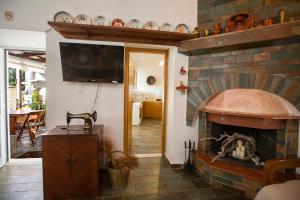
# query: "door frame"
{"points": [[4, 139], [164, 52], [9, 158]]}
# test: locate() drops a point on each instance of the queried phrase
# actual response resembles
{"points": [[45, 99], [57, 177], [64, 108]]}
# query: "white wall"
{"points": [[20, 39], [149, 66], [78, 97], [177, 131], [34, 14]]}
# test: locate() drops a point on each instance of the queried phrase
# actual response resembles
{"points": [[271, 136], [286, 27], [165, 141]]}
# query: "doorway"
{"points": [[145, 103], [26, 96]]}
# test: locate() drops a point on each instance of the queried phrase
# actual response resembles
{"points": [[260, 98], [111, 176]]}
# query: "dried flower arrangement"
{"points": [[107, 145], [122, 162], [118, 159]]}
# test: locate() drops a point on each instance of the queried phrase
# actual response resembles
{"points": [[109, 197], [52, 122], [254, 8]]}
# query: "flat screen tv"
{"points": [[92, 63]]}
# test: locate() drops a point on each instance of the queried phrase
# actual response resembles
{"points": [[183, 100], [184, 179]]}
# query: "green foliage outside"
{"points": [[12, 79], [37, 101]]}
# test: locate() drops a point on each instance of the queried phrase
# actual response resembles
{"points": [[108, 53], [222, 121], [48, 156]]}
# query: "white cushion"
{"points": [[289, 190]]}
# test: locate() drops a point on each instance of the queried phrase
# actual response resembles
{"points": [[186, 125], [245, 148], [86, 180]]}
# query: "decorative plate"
{"points": [[167, 27], [151, 26], [63, 17], [100, 20], [118, 22], [182, 28], [82, 19], [151, 80], [135, 23]]}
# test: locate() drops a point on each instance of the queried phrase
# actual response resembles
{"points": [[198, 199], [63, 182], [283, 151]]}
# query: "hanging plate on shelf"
{"points": [[100, 20], [82, 19], [63, 16], [151, 26], [182, 28], [135, 23], [117, 22], [167, 27]]}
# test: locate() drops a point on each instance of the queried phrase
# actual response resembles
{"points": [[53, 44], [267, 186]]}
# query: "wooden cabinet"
{"points": [[71, 162], [152, 109]]}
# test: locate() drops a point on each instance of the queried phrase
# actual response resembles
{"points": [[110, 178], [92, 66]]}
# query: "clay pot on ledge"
{"points": [[182, 88]]}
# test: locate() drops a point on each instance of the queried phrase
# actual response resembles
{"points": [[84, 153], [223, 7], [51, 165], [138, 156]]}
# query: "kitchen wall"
{"points": [[148, 65], [78, 97]]}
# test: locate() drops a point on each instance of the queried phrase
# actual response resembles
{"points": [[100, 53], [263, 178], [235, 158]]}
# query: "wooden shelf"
{"points": [[251, 38], [116, 34]]}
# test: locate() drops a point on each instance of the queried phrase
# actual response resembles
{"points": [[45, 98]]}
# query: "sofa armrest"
{"points": [[271, 166]]}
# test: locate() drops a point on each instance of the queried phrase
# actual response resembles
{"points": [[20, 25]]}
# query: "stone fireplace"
{"points": [[268, 118], [245, 82]]}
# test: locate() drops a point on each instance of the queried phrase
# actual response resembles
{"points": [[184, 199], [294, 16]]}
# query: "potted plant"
{"points": [[37, 101], [118, 165]]}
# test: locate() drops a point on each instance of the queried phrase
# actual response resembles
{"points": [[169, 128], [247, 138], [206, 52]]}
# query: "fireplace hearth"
{"points": [[267, 119]]}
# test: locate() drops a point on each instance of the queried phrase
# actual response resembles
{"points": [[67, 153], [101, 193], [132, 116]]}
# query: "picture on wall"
{"points": [[12, 79]]}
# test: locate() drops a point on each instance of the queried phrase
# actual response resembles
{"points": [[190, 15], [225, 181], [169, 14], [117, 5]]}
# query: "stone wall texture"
{"points": [[275, 69]]}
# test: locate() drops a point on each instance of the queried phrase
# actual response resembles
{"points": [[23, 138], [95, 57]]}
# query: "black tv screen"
{"points": [[92, 63]]}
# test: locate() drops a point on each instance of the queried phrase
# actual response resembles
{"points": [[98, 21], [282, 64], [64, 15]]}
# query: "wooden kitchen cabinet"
{"points": [[71, 162], [152, 109]]}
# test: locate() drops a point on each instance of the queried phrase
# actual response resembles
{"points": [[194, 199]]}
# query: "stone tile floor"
{"points": [[21, 182], [24, 144], [152, 180], [155, 180], [146, 138]]}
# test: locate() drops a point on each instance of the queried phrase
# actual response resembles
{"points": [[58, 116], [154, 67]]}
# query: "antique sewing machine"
{"points": [[87, 117]]}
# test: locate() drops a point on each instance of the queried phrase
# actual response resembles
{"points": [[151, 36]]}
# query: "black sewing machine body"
{"points": [[87, 117]]}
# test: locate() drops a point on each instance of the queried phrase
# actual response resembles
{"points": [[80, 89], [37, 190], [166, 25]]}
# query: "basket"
{"points": [[118, 178]]}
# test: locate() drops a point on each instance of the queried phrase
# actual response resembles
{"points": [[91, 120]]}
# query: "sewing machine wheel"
{"points": [[94, 116]]}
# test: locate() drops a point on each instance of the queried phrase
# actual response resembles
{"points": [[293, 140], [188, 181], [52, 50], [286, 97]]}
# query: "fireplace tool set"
{"points": [[189, 150]]}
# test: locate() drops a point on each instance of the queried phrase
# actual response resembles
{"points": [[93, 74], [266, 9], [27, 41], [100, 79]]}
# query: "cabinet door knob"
{"points": [[73, 159], [67, 160]]}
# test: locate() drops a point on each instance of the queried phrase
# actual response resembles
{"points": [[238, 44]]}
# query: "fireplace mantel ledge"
{"points": [[251, 38], [249, 108], [250, 103]]}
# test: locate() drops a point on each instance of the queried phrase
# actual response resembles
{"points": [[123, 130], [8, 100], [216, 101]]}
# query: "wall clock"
{"points": [[151, 80]]}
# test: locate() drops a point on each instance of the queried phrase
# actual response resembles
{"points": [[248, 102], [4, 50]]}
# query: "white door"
{"points": [[3, 124]]}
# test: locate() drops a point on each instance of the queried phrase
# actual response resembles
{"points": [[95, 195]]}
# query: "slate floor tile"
{"points": [[146, 138], [154, 181]]}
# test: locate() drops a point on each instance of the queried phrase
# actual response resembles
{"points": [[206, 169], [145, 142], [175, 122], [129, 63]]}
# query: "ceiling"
{"points": [[38, 56]]}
